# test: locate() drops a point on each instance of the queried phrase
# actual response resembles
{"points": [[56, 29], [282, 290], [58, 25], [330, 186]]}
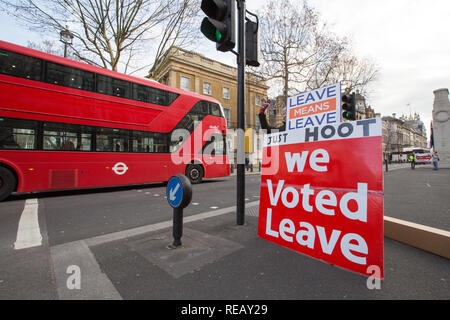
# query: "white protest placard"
{"points": [[314, 108]]}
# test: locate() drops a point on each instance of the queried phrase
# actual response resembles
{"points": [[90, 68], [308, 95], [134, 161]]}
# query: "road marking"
{"points": [[28, 232], [428, 185], [94, 283], [214, 207]]}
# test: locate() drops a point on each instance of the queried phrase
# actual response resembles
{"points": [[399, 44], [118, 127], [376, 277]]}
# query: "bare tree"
{"points": [[112, 32], [285, 33], [353, 73], [299, 52], [47, 46], [293, 43]]}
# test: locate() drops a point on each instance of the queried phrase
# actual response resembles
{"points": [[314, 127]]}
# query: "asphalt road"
{"points": [[117, 237], [68, 216]]}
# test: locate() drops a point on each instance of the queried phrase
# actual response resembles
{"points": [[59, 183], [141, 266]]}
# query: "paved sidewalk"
{"points": [[220, 260]]}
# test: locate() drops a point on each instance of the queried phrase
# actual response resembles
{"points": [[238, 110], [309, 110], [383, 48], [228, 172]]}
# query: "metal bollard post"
{"points": [[177, 227], [179, 195]]}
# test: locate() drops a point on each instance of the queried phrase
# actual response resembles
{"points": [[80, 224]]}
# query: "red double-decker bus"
{"points": [[66, 124]]}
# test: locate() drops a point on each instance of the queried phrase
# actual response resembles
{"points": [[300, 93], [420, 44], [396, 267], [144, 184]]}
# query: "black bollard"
{"points": [[177, 227], [179, 195]]}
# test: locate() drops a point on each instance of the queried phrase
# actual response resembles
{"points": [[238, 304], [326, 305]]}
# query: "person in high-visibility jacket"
{"points": [[412, 159]]}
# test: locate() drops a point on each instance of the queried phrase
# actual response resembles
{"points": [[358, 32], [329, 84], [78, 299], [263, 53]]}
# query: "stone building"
{"points": [[194, 72], [441, 126], [400, 134]]}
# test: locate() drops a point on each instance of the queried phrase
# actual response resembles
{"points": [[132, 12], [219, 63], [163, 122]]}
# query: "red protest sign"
{"points": [[324, 198]]}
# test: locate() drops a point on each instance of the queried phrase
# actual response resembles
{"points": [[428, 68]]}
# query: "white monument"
{"points": [[441, 126]]}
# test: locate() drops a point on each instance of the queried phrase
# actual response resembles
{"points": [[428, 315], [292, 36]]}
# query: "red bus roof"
{"points": [[81, 65]]}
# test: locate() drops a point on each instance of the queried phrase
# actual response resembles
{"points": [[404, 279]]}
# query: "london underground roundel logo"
{"points": [[120, 168]]}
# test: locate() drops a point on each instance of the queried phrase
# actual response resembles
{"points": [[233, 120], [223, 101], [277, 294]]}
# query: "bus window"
{"points": [[200, 108], [153, 95], [69, 77], [84, 139], [177, 139], [160, 141], [17, 134], [64, 137], [112, 140], [215, 110], [216, 145], [113, 87], [18, 65]]}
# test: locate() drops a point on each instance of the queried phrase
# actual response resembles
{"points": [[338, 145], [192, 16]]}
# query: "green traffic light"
{"points": [[348, 115], [211, 29], [218, 35]]}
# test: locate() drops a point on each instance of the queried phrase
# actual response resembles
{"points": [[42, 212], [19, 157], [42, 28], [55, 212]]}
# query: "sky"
{"points": [[408, 39]]}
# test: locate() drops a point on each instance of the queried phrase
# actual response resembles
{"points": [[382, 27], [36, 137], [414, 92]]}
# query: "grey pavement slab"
{"points": [[421, 196], [263, 270]]}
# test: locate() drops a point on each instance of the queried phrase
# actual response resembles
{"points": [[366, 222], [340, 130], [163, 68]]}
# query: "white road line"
{"points": [[94, 283], [428, 185], [28, 232]]}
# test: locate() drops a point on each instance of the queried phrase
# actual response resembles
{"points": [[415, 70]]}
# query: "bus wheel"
{"points": [[7, 183], [195, 173]]}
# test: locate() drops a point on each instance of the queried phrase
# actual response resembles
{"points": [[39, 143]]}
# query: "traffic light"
{"points": [[252, 44], [349, 106], [219, 25]]}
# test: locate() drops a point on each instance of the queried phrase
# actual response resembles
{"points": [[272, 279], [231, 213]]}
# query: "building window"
{"points": [[226, 93], [185, 83], [207, 88], [257, 123], [258, 100]]}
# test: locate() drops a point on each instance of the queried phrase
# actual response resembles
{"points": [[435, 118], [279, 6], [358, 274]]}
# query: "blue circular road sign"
{"points": [[179, 191]]}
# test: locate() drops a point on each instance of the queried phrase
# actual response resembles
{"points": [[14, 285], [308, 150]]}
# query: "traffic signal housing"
{"points": [[219, 25], [349, 106], [252, 44]]}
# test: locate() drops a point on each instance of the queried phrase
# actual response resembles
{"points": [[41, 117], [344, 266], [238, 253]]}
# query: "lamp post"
{"points": [[66, 37]]}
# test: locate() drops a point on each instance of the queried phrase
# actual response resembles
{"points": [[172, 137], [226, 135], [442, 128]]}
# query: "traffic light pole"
{"points": [[240, 201]]}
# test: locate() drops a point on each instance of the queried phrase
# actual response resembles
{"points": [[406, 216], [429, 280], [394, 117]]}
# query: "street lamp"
{"points": [[66, 37]]}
